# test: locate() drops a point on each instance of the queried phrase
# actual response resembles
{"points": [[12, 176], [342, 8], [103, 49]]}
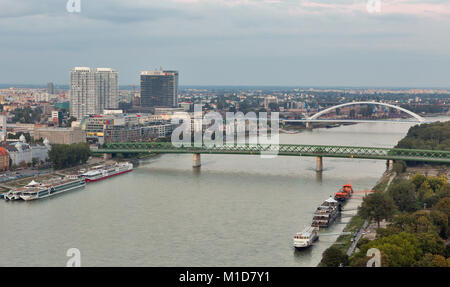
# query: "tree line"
{"points": [[64, 156], [418, 209], [27, 115], [433, 136]]}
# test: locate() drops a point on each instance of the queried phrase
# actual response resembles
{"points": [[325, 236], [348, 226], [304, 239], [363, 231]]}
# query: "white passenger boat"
{"points": [[35, 190], [103, 172], [52, 187], [306, 238]]}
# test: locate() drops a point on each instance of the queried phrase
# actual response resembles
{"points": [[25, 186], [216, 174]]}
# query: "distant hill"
{"points": [[434, 136]]}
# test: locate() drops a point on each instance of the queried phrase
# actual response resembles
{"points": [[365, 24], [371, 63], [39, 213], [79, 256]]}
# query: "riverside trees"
{"points": [[415, 236], [377, 206], [64, 156]]}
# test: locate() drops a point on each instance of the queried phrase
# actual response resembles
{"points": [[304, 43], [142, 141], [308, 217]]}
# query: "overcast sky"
{"points": [[231, 42]]}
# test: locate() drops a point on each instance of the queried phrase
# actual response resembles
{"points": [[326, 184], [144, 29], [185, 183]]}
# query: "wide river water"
{"points": [[234, 211]]}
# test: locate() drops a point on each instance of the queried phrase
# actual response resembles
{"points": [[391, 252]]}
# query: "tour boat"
{"points": [[35, 190], [327, 213], [325, 216], [306, 238], [103, 172]]}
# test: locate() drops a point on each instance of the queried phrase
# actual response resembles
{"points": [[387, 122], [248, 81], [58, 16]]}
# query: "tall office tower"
{"points": [[50, 88], [159, 88], [92, 91]]}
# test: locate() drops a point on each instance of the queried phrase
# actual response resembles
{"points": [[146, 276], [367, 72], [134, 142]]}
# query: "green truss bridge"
{"points": [[318, 151]]}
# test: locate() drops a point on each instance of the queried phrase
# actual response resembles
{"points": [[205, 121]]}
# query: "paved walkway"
{"points": [[362, 230]]}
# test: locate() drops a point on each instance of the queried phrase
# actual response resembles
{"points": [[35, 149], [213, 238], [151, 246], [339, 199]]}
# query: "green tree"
{"points": [[27, 115], [443, 206], [423, 222], [425, 261], [439, 261], [399, 166], [377, 206], [403, 222], [424, 192], [333, 257], [404, 195], [440, 220], [401, 250], [430, 242], [437, 182], [418, 179], [360, 260], [447, 251], [63, 156]]}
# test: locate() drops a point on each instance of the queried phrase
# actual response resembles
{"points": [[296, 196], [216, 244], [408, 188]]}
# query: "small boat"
{"points": [[306, 238], [12, 195], [344, 193]]}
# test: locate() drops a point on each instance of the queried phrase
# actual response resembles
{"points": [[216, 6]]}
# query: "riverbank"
{"points": [[366, 229], [356, 224], [292, 129], [7, 185]]}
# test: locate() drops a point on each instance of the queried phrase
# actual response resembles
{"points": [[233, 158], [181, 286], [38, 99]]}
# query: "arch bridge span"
{"points": [[416, 116]]}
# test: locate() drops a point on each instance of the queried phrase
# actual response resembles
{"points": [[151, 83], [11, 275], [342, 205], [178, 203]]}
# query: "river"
{"points": [[234, 211]]}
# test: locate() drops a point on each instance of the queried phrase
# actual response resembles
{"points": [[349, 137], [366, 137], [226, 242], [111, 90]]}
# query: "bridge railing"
{"points": [[283, 149]]}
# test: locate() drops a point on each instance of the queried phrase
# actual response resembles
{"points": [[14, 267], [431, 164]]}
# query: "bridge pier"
{"points": [[107, 156], [319, 164], [197, 160], [390, 165]]}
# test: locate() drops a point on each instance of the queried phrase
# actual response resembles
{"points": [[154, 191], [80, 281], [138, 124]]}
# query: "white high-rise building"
{"points": [[3, 127], [92, 91], [107, 88]]}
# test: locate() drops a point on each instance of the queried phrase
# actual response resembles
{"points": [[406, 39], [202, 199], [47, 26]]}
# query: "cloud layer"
{"points": [[284, 42]]}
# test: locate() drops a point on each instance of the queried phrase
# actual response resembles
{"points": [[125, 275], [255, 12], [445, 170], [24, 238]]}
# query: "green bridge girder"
{"points": [[284, 150]]}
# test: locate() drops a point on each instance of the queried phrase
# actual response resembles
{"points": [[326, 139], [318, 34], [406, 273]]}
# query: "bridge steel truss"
{"points": [[284, 150]]}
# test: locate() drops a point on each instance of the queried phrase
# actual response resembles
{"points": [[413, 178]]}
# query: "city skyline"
{"points": [[255, 43]]}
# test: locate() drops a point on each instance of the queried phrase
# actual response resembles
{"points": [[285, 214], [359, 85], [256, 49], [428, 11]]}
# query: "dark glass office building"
{"points": [[50, 89], [159, 89]]}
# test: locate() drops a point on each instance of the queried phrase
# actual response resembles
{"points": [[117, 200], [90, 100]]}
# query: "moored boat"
{"points": [[306, 238], [327, 213], [344, 193], [103, 172], [52, 187], [12, 195]]}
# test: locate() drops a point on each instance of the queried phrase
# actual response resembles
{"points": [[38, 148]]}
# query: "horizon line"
{"points": [[27, 85]]}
